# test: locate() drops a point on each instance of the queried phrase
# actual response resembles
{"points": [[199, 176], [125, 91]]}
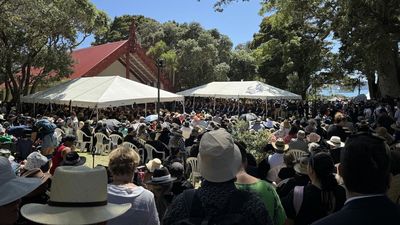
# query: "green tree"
{"points": [[36, 38], [369, 31], [243, 65]]}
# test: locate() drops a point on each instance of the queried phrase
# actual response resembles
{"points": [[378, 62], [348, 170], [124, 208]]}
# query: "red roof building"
{"points": [[124, 58]]}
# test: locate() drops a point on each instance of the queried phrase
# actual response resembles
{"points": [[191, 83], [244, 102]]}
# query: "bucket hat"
{"points": [[12, 187], [67, 206], [219, 158]]}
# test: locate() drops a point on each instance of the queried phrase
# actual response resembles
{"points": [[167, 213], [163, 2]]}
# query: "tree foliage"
{"points": [[36, 38], [193, 55]]}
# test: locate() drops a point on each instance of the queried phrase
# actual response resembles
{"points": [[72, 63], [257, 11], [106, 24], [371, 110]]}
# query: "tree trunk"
{"points": [[388, 82]]}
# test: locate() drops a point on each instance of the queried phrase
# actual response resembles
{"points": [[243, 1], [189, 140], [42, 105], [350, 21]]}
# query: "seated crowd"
{"points": [[340, 166]]}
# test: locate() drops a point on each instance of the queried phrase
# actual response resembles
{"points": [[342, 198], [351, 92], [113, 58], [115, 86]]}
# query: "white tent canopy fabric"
{"points": [[239, 89], [101, 92]]}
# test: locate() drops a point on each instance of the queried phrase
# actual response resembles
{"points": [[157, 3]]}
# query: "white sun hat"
{"points": [[12, 187], [219, 158], [78, 196], [335, 141]]}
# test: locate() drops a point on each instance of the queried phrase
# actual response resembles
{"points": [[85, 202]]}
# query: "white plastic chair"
{"points": [[100, 147], [150, 149], [60, 134], [82, 144], [129, 145], [141, 141], [192, 163], [297, 153], [140, 151], [114, 140]]}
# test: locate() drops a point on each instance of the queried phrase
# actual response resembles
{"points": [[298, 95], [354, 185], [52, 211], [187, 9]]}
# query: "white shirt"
{"points": [[143, 210]]}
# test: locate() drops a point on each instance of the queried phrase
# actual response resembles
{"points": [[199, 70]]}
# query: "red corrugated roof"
{"points": [[87, 58]]}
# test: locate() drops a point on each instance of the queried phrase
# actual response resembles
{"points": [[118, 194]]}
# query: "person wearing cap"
{"points": [[67, 205], [263, 189], [299, 142], [219, 161], [12, 189], [324, 196], [122, 165], [365, 169], [67, 145]]}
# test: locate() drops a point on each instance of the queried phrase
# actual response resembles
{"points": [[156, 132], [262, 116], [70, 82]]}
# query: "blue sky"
{"points": [[239, 20]]}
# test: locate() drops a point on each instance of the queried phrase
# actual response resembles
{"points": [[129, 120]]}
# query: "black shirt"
{"points": [[311, 209]]}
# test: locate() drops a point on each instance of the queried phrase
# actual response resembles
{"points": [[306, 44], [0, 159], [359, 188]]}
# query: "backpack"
{"points": [[45, 127], [298, 194], [197, 215]]}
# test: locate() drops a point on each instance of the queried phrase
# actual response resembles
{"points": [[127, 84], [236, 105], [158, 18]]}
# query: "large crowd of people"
{"points": [[325, 163]]}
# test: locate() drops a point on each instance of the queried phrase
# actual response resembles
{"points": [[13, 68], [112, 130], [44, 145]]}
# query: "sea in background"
{"points": [[337, 91]]}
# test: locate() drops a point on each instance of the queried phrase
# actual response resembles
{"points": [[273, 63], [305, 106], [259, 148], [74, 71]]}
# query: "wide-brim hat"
{"points": [[301, 166], [13, 187], [335, 141], [161, 176], [280, 145], [73, 159], [37, 173], [219, 158], [67, 206]]}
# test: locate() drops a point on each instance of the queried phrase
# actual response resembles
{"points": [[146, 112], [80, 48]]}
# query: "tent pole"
{"points": [[266, 107], [183, 105], [214, 104], [194, 101], [34, 109], [145, 109], [97, 114]]}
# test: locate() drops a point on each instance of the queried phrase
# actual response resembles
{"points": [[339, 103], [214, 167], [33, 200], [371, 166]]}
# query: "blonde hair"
{"points": [[123, 161]]}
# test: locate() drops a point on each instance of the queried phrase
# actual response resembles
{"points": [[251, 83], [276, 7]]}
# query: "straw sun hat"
{"points": [[68, 206], [280, 145]]}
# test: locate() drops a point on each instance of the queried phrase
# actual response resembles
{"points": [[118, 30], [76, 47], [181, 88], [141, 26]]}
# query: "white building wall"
{"points": [[116, 68]]}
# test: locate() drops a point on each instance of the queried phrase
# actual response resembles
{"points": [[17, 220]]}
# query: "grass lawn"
{"points": [[98, 159]]}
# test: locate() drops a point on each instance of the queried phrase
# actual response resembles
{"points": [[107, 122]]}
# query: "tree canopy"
{"points": [[36, 38]]}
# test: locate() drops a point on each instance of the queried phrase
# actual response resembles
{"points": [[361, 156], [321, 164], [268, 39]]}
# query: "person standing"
{"points": [[365, 169]]}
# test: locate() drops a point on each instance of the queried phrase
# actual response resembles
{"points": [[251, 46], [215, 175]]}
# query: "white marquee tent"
{"points": [[100, 92], [239, 89]]}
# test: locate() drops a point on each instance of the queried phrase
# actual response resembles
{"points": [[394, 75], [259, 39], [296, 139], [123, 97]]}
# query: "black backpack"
{"points": [[197, 215]]}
